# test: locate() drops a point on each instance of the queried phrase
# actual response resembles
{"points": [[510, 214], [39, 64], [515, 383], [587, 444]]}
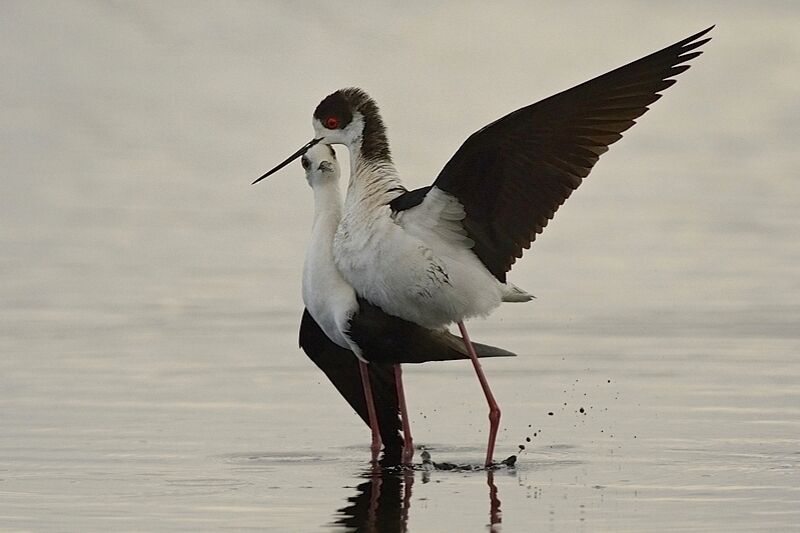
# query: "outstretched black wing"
{"points": [[512, 175]]}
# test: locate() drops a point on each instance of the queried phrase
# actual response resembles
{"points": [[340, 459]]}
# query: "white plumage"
{"points": [[330, 300]]}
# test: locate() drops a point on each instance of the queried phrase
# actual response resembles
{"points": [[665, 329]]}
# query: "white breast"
{"points": [[423, 273], [329, 299]]}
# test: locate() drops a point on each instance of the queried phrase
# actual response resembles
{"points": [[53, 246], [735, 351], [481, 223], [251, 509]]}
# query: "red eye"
{"points": [[331, 123]]}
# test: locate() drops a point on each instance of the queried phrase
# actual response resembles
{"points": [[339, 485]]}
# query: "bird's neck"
{"points": [[327, 208], [319, 270], [373, 177]]}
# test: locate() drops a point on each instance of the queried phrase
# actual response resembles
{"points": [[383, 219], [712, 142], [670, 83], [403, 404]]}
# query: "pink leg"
{"points": [[408, 444], [373, 418], [494, 409]]}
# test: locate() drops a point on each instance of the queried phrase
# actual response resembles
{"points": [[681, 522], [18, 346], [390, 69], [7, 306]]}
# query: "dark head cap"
{"points": [[336, 111]]}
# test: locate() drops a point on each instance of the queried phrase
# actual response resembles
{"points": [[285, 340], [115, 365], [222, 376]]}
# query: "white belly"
{"points": [[430, 283]]}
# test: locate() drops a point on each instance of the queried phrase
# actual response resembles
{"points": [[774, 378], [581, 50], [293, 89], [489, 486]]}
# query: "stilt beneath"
{"points": [[408, 443], [373, 417], [494, 409]]}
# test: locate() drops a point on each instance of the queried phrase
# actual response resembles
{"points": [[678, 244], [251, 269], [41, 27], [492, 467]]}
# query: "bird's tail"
{"points": [[512, 293]]}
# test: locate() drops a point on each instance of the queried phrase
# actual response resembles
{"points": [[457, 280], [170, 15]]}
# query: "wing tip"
{"points": [[692, 43], [692, 39]]}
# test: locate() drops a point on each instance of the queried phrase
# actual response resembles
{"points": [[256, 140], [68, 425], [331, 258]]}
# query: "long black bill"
{"points": [[291, 158]]}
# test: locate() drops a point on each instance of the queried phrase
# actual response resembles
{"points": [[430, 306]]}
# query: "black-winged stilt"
{"points": [[440, 254], [341, 332]]}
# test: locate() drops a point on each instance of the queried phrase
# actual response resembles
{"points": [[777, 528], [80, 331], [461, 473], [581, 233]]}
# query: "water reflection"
{"points": [[494, 503], [382, 503]]}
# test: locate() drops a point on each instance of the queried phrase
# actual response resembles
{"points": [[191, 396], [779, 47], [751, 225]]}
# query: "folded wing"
{"points": [[385, 338]]}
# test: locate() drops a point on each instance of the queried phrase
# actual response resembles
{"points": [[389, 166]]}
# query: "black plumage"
{"points": [[341, 368], [384, 340]]}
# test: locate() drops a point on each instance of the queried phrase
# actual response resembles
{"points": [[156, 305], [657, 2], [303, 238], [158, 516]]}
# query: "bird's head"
{"points": [[320, 165], [349, 117]]}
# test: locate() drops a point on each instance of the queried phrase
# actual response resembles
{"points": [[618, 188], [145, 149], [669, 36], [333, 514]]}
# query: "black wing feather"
{"points": [[341, 367], [387, 339], [513, 175], [409, 199]]}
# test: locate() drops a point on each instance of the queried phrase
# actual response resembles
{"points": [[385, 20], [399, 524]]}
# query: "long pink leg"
{"points": [[494, 409], [373, 417], [408, 444]]}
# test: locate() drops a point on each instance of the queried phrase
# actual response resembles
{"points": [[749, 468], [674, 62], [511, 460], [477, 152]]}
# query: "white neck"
{"points": [[328, 297], [327, 213]]}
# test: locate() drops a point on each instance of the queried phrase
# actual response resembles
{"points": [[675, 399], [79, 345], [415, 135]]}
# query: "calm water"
{"points": [[150, 378]]}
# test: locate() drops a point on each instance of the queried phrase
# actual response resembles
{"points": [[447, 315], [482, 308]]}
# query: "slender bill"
{"points": [[291, 158]]}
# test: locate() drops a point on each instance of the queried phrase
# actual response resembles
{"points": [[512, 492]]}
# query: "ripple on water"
{"points": [[272, 458]]}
